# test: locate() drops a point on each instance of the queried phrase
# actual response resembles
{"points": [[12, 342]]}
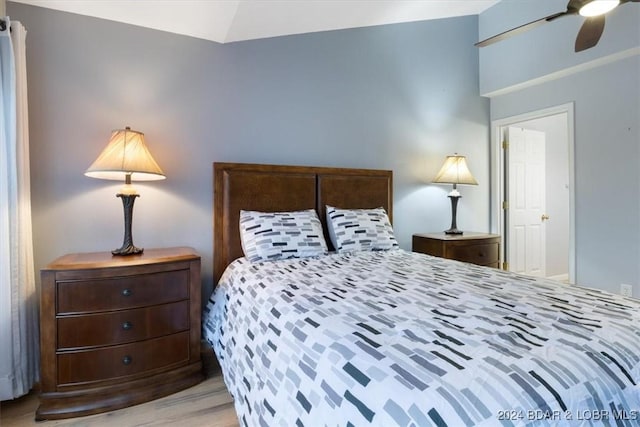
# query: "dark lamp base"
{"points": [[454, 208], [127, 245], [453, 231], [127, 250]]}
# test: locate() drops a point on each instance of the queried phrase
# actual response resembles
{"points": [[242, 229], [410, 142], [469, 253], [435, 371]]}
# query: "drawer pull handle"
{"points": [[127, 292], [127, 325], [127, 360]]}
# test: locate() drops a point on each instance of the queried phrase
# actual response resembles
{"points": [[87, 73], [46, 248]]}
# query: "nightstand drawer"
{"points": [[477, 254], [476, 248], [122, 326], [92, 295], [123, 360]]}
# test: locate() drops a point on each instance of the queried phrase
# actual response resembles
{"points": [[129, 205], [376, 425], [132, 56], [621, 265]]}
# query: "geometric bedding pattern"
{"points": [[267, 236], [404, 339], [354, 230]]}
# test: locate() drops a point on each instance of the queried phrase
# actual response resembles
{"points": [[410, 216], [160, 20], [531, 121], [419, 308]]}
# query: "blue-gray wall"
{"points": [[604, 85], [398, 97]]}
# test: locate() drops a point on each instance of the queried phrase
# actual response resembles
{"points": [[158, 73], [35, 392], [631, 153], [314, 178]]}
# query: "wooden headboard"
{"points": [[274, 188]]}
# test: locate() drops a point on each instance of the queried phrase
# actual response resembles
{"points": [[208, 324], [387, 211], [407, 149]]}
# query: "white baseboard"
{"points": [[560, 278]]}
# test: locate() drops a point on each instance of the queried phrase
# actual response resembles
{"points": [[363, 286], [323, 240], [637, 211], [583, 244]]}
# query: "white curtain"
{"points": [[19, 349]]}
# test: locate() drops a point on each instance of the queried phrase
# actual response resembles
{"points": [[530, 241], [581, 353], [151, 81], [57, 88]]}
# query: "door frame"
{"points": [[498, 167]]}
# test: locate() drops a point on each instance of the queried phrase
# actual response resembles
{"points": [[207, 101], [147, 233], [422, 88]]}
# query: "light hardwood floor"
{"points": [[206, 404]]}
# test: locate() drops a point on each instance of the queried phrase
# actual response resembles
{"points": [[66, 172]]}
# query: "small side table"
{"points": [[116, 331], [476, 248]]}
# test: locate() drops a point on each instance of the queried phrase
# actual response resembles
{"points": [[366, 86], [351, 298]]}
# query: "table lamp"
{"points": [[454, 171], [127, 158]]}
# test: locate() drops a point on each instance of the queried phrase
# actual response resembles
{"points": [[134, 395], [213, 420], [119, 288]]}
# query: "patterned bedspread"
{"points": [[400, 338]]}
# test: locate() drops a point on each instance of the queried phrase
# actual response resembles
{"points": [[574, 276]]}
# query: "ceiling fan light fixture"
{"points": [[598, 7]]}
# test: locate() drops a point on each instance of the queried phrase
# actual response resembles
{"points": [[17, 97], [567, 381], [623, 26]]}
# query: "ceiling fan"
{"points": [[590, 32]]}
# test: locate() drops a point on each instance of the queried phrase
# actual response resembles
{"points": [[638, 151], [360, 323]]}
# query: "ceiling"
{"points": [[226, 21]]}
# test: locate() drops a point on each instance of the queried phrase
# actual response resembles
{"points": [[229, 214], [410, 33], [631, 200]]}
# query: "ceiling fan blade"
{"points": [[590, 33], [523, 28]]}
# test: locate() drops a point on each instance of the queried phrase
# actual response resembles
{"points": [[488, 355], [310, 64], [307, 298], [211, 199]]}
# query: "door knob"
{"points": [[544, 217]]}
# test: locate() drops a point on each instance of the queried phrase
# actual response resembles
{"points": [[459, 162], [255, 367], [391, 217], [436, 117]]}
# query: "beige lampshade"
{"points": [[455, 171], [126, 154], [597, 7]]}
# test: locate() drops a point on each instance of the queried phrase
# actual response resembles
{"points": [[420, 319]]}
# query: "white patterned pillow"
{"points": [[360, 230], [267, 236]]}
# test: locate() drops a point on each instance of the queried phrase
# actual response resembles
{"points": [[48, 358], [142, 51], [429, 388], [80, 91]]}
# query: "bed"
{"points": [[395, 338]]}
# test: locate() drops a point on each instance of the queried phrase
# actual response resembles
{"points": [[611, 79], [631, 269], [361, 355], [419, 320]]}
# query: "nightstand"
{"points": [[116, 331], [476, 248]]}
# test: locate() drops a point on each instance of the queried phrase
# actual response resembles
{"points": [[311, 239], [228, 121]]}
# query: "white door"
{"points": [[525, 160]]}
